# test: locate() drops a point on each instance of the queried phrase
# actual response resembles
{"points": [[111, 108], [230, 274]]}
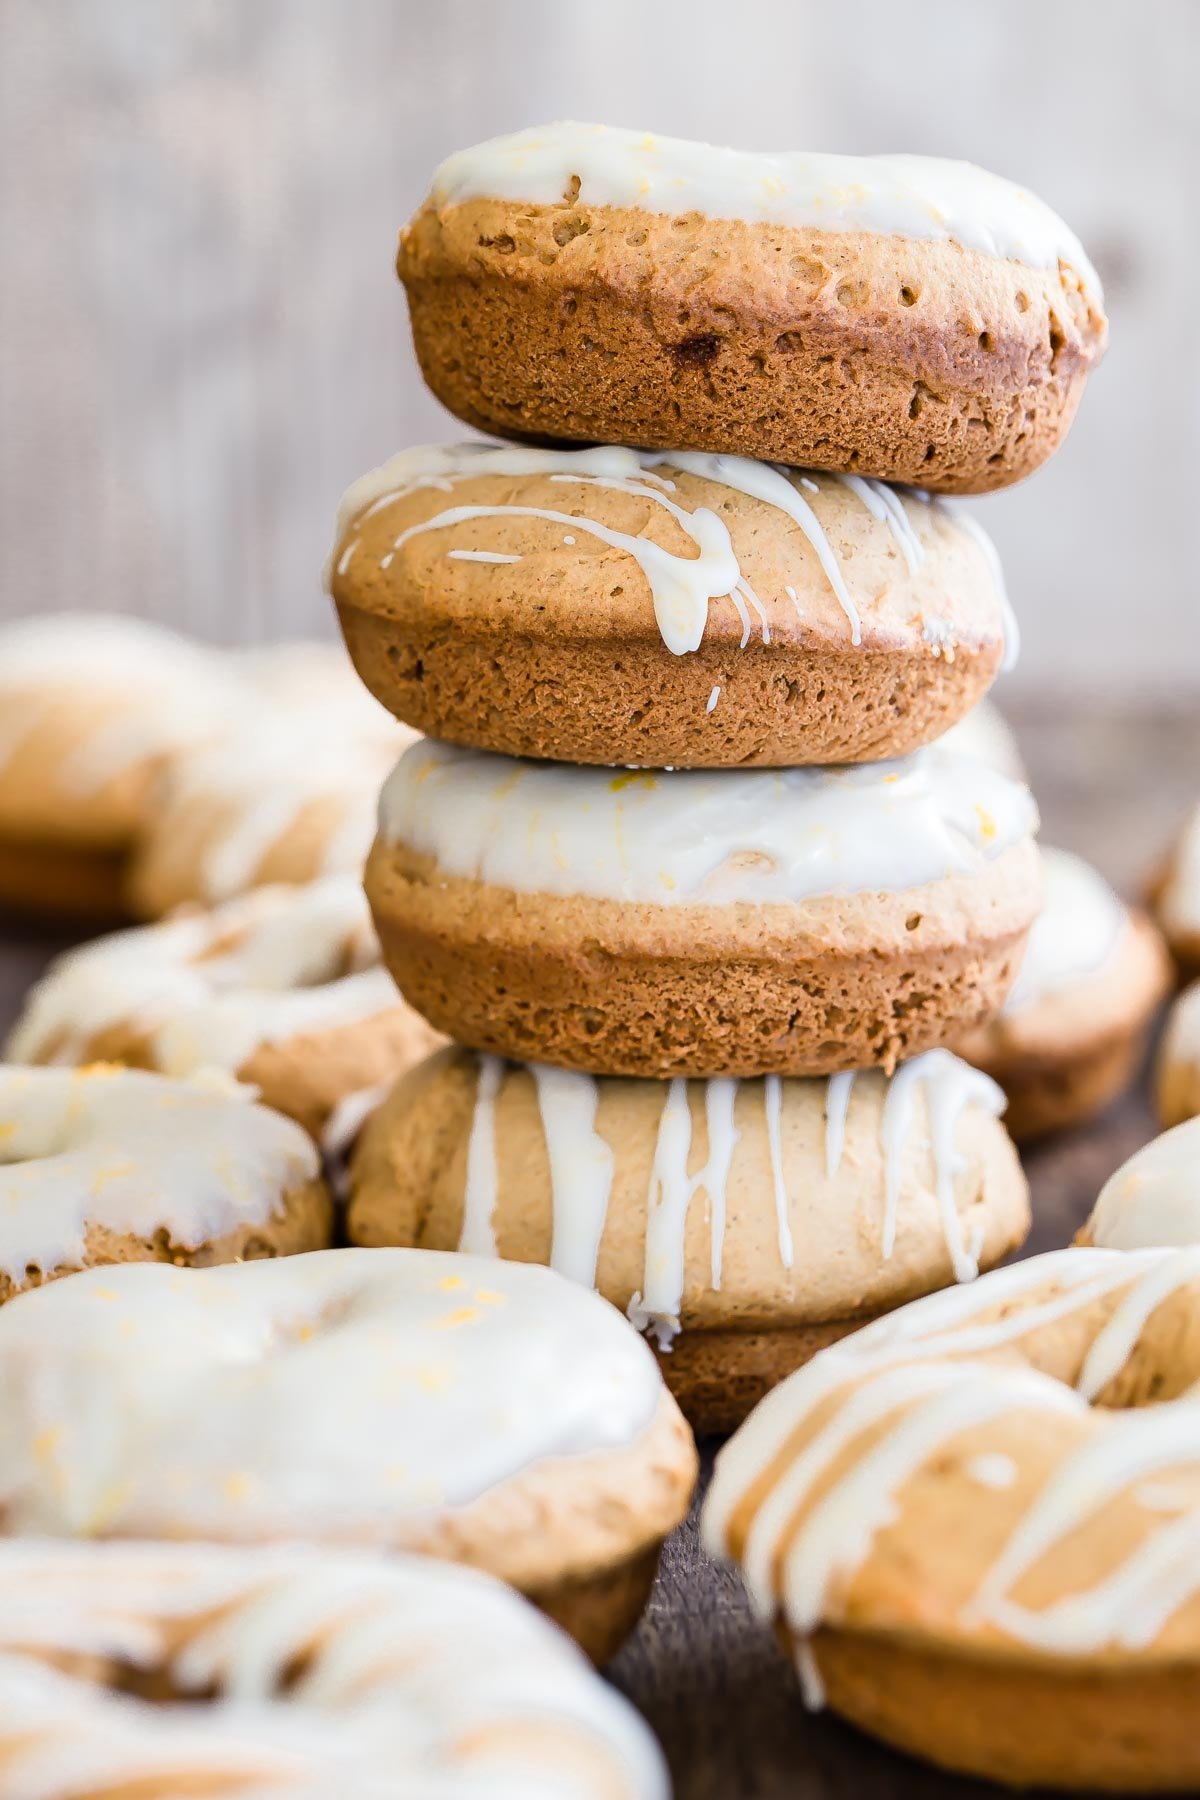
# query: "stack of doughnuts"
{"points": [[681, 864]]}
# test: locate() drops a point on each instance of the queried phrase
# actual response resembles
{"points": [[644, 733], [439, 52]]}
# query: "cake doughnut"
{"points": [[665, 609], [975, 1524], [282, 988], [104, 1165], [286, 797], [91, 706], [477, 1411], [749, 922], [893, 316], [1153, 1198], [744, 1225], [1175, 896], [163, 1670], [1070, 1035], [1178, 1071]]}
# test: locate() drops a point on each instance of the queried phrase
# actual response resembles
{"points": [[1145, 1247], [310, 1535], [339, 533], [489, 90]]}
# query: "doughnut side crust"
{"points": [[835, 983], [911, 360]]}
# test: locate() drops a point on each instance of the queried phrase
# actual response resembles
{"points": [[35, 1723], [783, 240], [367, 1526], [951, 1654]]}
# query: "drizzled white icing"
{"points": [[1154, 1198], [1078, 930], [916, 1381], [920, 197], [334, 1673], [1179, 902], [681, 587], [675, 838], [583, 1166], [209, 989], [345, 1395], [137, 1154]]}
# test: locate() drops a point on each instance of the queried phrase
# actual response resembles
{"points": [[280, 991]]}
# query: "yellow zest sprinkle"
{"points": [[238, 1486], [631, 778], [465, 1315], [45, 1444], [433, 1377], [490, 1297], [888, 778], [450, 1284], [6, 1132], [987, 825]]}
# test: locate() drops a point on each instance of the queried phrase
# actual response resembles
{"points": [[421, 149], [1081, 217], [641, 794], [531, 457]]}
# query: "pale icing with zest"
{"points": [[918, 197], [1077, 932], [343, 1396], [134, 1154], [681, 587], [320, 1673], [1154, 1198], [915, 1382], [697, 837], [583, 1165], [208, 989]]}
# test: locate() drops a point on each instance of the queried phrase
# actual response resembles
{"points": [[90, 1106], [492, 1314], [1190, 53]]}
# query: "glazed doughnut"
{"points": [[976, 1524], [798, 922], [105, 1165], [986, 735], [1072, 1031], [663, 609], [287, 797], [157, 1670], [282, 988], [1176, 897], [1152, 1199], [1178, 1073], [391, 1398], [891, 316], [91, 705], [744, 1225]]}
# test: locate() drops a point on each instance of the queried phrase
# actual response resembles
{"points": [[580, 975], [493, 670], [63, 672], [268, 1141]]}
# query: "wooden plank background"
{"points": [[201, 340]]}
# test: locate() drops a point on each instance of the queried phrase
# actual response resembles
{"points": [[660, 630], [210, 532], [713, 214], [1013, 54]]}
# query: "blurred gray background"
{"points": [[202, 340]]}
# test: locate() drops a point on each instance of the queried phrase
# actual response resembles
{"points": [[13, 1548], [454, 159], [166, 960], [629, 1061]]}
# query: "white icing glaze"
{"points": [[912, 1380], [1179, 902], [582, 1167], [137, 1154], [1078, 930], [674, 838], [920, 197], [334, 1673], [985, 735], [208, 989], [1154, 1198], [345, 1395], [681, 587]]}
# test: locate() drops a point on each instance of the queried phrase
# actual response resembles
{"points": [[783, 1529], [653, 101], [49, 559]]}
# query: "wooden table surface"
{"points": [[711, 1681]]}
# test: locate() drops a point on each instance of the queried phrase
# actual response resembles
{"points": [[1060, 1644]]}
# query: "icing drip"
{"points": [[134, 1154], [720, 1096], [1154, 1198], [950, 1085], [917, 197], [1012, 631], [323, 1673], [1113, 1346], [1077, 931], [667, 1203], [772, 1103], [581, 1169], [479, 1196], [681, 587], [837, 1101], [692, 836]]}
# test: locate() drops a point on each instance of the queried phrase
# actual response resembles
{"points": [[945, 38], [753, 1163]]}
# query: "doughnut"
{"points": [[289, 796], [104, 1165], [743, 1225], [666, 609], [986, 735], [975, 1525], [160, 1670], [890, 316], [482, 1412], [1175, 896], [1178, 1071], [748, 922], [1152, 1199], [1072, 1032], [282, 988], [91, 706]]}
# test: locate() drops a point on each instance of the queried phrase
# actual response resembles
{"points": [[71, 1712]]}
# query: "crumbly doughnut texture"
{"points": [[915, 361], [518, 633], [740, 1285], [836, 982], [1062, 1059], [973, 1524]]}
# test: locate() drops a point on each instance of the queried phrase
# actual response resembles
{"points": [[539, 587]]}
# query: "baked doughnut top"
{"points": [[192, 1668]]}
